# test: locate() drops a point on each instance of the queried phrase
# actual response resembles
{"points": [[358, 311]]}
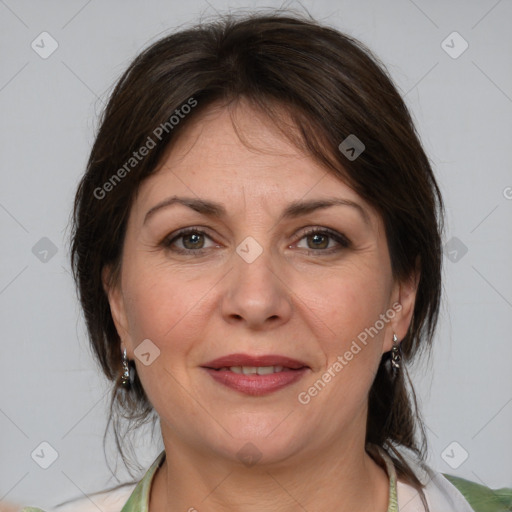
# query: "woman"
{"points": [[257, 248]]}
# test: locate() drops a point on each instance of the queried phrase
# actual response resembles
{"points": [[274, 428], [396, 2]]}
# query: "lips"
{"points": [[256, 375], [243, 360]]}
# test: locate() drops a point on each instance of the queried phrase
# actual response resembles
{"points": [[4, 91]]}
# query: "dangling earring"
{"points": [[127, 376], [396, 355]]}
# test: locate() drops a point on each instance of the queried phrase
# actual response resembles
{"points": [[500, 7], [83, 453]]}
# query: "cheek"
{"points": [[345, 309], [347, 301], [158, 310], [162, 307]]}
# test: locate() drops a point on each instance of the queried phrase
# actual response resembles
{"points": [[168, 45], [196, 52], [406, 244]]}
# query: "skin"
{"points": [[303, 297]]}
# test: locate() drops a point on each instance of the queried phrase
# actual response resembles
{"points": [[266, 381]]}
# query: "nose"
{"points": [[255, 294]]}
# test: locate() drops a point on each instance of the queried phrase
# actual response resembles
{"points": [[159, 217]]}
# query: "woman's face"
{"points": [[250, 279]]}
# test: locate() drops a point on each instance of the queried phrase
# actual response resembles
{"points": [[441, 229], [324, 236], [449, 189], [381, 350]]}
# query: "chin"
{"points": [[260, 440]]}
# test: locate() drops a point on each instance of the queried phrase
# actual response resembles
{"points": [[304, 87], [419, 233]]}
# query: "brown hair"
{"points": [[331, 86]]}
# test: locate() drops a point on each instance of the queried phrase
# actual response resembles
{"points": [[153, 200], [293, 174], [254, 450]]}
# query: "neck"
{"points": [[342, 478]]}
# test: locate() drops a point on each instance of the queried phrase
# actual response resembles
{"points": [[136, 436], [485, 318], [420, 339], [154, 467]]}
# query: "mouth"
{"points": [[254, 370], [256, 375], [248, 361]]}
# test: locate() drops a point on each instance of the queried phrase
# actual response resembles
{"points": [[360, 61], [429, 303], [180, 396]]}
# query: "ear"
{"points": [[403, 301], [115, 297]]}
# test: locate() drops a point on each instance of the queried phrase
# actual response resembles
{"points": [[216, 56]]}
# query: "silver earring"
{"points": [[396, 355], [127, 376]]}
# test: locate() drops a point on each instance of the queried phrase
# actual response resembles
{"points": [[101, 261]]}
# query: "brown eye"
{"points": [[324, 241], [318, 241], [188, 241], [194, 240]]}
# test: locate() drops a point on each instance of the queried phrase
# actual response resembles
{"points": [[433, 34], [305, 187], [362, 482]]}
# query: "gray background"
{"points": [[50, 387]]}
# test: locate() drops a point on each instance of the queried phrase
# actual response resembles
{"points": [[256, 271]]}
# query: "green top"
{"points": [[481, 498]]}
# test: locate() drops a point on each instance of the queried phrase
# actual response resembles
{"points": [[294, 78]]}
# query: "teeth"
{"points": [[253, 370], [266, 370]]}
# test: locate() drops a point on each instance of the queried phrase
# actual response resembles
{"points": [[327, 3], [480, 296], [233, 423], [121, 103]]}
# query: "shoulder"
{"points": [[127, 497], [107, 501], [450, 493], [482, 498]]}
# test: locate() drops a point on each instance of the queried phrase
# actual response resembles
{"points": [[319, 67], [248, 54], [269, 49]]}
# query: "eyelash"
{"points": [[342, 240]]}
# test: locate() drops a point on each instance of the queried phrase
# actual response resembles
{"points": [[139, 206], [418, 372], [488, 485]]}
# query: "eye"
{"points": [[194, 241], [324, 240], [187, 241]]}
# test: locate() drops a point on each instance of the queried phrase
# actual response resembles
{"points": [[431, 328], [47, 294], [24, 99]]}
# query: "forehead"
{"points": [[237, 140], [237, 153]]}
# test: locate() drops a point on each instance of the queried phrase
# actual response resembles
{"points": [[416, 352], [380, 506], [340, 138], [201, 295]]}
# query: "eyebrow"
{"points": [[293, 210]]}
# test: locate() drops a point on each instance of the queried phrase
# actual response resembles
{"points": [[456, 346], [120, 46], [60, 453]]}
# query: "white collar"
{"points": [[441, 495]]}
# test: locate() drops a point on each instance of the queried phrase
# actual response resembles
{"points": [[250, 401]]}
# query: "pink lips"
{"points": [[253, 384], [246, 360]]}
